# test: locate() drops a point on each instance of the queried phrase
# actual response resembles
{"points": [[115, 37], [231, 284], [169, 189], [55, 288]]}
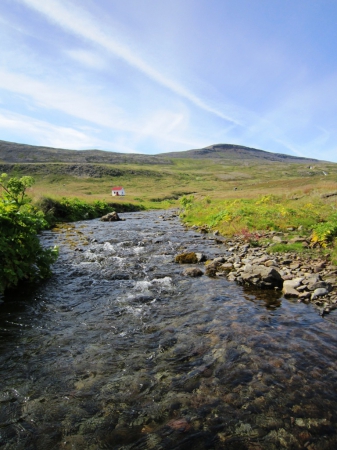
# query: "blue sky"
{"points": [[153, 76]]}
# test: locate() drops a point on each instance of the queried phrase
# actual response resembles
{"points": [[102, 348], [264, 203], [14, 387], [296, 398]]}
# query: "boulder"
{"points": [[289, 287], [319, 293], [200, 257], [262, 276], [226, 266], [187, 258], [213, 266], [193, 272], [320, 284], [110, 217]]}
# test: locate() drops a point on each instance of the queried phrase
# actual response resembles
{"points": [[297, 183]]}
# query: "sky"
{"points": [[154, 76]]}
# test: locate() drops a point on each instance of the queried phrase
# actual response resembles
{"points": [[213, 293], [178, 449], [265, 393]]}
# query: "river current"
{"points": [[119, 350]]}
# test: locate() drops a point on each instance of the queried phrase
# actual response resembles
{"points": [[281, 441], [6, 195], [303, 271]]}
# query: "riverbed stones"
{"points": [[298, 277]]}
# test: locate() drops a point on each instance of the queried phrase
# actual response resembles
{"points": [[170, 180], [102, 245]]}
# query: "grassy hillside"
{"points": [[217, 172]]}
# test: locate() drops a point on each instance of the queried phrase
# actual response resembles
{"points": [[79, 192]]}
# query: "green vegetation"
{"points": [[73, 209], [308, 216], [269, 212], [231, 193], [285, 248], [21, 254], [325, 233]]}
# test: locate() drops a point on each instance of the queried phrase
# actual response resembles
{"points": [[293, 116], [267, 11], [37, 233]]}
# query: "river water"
{"points": [[119, 350]]}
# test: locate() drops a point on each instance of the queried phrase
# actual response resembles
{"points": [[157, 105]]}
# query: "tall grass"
{"points": [[269, 212]]}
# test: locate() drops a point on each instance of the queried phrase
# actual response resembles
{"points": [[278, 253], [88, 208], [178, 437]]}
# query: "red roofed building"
{"points": [[117, 190]]}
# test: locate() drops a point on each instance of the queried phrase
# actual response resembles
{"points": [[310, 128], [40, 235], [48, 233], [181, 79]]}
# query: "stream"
{"points": [[119, 350]]}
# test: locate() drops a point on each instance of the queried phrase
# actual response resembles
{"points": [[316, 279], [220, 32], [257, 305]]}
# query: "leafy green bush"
{"points": [[21, 254], [324, 233], [73, 209], [186, 201]]}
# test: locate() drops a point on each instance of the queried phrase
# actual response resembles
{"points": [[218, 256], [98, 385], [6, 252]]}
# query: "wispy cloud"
{"points": [[76, 21], [162, 125], [50, 135], [89, 59]]}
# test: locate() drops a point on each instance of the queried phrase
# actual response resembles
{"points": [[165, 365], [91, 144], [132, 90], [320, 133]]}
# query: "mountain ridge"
{"points": [[11, 152]]}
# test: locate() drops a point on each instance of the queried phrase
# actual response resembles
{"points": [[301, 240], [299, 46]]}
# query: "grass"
{"points": [[226, 195], [287, 248]]}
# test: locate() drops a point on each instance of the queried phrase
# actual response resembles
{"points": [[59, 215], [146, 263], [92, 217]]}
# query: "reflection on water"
{"points": [[120, 351]]}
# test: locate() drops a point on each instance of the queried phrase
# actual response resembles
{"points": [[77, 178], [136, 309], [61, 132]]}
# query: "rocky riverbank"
{"points": [[309, 279]]}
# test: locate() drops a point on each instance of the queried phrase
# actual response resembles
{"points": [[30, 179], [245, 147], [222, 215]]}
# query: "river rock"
{"points": [[319, 293], [262, 276], [320, 284], [213, 266], [200, 257], [226, 266], [277, 239], [193, 272], [270, 262], [110, 217], [187, 258], [289, 287]]}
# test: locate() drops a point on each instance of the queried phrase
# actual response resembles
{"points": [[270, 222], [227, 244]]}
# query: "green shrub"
{"points": [[71, 209], [324, 233], [21, 254], [186, 201]]}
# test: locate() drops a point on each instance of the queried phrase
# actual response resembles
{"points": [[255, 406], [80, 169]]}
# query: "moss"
{"points": [[186, 258]]}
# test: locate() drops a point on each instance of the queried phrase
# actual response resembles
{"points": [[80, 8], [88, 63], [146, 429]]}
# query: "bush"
{"points": [[73, 209], [21, 254], [324, 233]]}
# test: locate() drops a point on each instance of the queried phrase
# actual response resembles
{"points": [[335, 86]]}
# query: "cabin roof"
{"points": [[117, 188]]}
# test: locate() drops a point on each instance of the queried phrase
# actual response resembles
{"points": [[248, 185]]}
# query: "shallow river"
{"points": [[120, 351]]}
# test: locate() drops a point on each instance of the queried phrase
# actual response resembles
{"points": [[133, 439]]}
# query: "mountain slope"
{"points": [[11, 152], [237, 152]]}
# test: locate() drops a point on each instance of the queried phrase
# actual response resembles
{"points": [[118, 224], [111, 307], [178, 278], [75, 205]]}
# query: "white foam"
{"points": [[108, 248]]}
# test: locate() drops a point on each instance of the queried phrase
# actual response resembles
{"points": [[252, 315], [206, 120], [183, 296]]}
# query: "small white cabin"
{"points": [[117, 190]]}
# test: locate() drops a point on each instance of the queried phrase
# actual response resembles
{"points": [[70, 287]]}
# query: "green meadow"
{"points": [[230, 196]]}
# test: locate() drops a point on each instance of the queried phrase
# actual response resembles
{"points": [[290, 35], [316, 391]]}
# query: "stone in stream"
{"points": [[262, 276], [110, 217], [193, 272], [187, 258], [213, 266]]}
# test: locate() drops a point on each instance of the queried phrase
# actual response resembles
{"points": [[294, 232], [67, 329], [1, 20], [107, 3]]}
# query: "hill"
{"points": [[238, 152], [158, 181], [11, 152]]}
